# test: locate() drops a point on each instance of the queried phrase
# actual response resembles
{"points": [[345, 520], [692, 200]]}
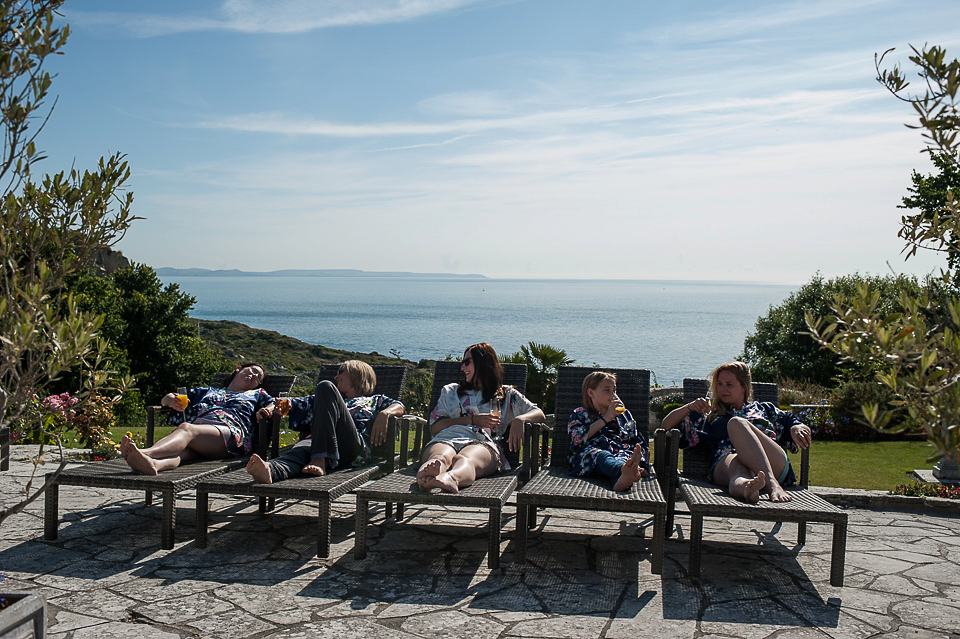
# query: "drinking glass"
{"points": [[283, 406], [621, 408], [182, 400]]}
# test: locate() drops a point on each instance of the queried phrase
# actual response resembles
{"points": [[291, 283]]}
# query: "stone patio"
{"points": [[426, 576]]}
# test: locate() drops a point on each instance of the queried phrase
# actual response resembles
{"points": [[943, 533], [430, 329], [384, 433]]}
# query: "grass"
{"points": [[879, 465], [868, 465]]}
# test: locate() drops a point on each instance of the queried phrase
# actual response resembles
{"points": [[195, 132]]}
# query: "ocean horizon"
{"points": [[676, 329]]}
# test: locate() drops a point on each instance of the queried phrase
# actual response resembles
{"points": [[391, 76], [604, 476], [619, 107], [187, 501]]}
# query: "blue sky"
{"points": [[529, 138]]}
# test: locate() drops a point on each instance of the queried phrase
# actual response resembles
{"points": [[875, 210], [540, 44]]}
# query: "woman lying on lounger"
{"points": [[345, 420], [466, 421], [218, 423], [743, 436]]}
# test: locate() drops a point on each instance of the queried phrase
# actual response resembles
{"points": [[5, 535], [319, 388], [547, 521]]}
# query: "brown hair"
{"points": [[488, 375], [361, 375], [242, 366], [591, 382], [742, 372]]}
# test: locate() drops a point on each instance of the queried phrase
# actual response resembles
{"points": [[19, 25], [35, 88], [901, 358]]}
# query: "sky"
{"points": [[723, 140]]}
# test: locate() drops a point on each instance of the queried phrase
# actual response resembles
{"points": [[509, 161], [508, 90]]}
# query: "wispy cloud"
{"points": [[271, 16]]}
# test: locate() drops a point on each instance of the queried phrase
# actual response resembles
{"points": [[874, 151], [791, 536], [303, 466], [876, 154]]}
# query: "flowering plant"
{"points": [[918, 489]]}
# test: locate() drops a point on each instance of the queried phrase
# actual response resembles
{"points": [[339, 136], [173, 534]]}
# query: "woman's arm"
{"points": [[447, 422], [515, 435], [674, 417], [378, 430]]}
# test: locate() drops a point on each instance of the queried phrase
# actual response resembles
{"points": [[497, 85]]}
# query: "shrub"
{"points": [[662, 405]]}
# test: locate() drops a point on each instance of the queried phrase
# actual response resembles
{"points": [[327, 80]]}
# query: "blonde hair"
{"points": [[361, 375], [591, 382], [741, 371]]}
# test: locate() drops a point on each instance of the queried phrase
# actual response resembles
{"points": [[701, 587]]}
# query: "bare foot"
{"points": [[260, 470], [631, 472], [126, 445], [777, 493], [316, 467], [138, 460], [748, 489], [431, 476]]}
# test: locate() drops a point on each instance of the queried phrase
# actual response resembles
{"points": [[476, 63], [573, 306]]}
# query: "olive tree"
{"points": [[50, 228], [915, 352]]}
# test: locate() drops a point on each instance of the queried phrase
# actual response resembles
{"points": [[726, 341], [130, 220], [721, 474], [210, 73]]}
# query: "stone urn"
{"points": [[22, 612]]}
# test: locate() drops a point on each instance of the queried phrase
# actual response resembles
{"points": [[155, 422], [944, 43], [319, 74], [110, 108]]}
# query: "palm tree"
{"points": [[542, 363]]}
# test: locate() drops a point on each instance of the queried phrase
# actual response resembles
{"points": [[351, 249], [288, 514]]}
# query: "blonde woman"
{"points": [[745, 436]]}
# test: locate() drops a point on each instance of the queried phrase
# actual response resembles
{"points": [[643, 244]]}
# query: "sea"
{"points": [[676, 329]]}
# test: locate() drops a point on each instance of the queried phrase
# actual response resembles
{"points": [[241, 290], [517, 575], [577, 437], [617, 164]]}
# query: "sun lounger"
{"points": [[553, 486], [324, 490], [487, 493], [705, 499], [117, 474]]}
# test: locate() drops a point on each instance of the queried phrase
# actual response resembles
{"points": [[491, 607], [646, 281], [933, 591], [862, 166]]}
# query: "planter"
{"points": [[25, 617]]}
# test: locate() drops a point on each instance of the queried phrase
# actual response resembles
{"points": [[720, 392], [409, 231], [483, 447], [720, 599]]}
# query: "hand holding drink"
{"points": [[283, 406], [619, 407], [182, 401]]}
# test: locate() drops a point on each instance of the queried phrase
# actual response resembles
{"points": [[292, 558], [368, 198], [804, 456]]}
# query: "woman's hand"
{"points": [[487, 422], [378, 431], [700, 405], [611, 413], [802, 435], [266, 412], [515, 434]]}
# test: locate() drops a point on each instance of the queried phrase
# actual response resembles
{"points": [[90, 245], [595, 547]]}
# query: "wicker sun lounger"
{"points": [[554, 487], [323, 490], [117, 474], [488, 493], [705, 499]]}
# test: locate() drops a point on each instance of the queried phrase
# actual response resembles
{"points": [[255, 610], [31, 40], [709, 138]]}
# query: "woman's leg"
{"points": [[189, 441], [436, 458], [333, 435], [758, 462], [623, 474], [469, 464]]}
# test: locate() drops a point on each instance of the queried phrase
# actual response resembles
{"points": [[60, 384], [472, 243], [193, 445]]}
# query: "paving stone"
{"points": [[935, 613], [184, 609], [65, 621], [452, 625], [234, 626], [102, 603], [562, 627], [123, 631]]}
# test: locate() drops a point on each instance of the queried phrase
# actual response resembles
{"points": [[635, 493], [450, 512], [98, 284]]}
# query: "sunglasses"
{"points": [[465, 361]]}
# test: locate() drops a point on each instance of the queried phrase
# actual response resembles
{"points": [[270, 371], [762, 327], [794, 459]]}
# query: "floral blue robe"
{"points": [[775, 423], [619, 437], [236, 411]]}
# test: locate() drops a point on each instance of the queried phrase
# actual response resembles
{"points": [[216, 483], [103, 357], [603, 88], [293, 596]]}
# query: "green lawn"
{"points": [[865, 465], [868, 465]]}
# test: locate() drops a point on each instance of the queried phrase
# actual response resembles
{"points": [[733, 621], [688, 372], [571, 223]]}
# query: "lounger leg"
{"points": [[520, 555], [169, 520], [148, 498], [360, 538], [671, 512], [656, 552], [532, 517], [388, 510], [696, 539], [203, 505], [493, 558], [271, 504], [838, 555], [51, 511], [323, 527], [399, 510], [802, 533]]}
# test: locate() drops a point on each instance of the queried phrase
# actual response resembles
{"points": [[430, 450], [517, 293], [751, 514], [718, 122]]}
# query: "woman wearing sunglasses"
{"points": [[470, 418]]}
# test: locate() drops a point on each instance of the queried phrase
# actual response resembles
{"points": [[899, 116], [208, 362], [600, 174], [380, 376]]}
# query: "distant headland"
{"points": [[323, 272]]}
